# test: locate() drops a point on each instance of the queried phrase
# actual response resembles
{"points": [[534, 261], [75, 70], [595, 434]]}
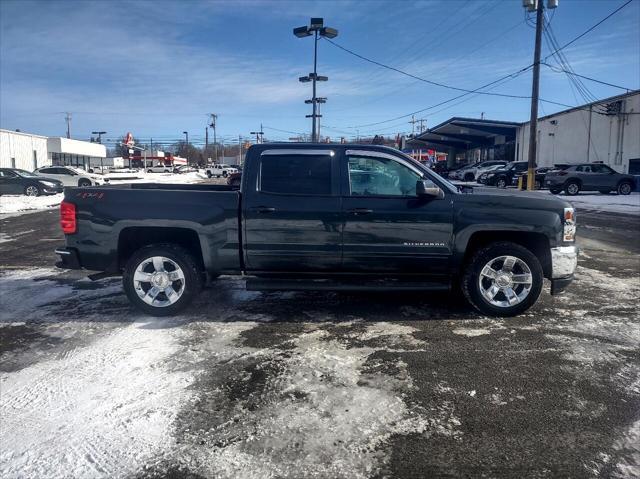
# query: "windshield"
{"points": [[25, 173]]}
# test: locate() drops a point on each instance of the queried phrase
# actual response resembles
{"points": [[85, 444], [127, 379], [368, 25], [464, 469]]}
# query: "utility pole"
{"points": [[99, 133], [422, 121], [214, 117], [538, 6], [206, 137], [413, 122], [68, 120], [259, 135]]}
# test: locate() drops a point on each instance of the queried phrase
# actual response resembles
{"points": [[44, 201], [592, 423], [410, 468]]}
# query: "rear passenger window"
{"points": [[296, 175]]}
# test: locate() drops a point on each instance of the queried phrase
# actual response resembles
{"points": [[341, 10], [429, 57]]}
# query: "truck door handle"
{"points": [[360, 211], [263, 209]]}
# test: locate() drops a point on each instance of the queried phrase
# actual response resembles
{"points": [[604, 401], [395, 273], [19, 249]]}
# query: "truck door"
{"points": [[388, 229], [291, 213]]}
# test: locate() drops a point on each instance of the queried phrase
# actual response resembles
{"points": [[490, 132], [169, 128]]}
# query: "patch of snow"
{"points": [[629, 204], [100, 411], [322, 413], [471, 332], [11, 204]]}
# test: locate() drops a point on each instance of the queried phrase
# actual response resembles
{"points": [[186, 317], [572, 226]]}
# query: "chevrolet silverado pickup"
{"points": [[322, 217]]}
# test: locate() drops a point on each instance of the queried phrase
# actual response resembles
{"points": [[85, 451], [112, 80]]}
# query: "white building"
{"points": [[28, 152], [82, 154], [607, 131], [22, 150]]}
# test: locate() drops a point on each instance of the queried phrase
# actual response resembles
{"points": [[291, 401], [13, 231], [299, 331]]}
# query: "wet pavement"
{"points": [[247, 384]]}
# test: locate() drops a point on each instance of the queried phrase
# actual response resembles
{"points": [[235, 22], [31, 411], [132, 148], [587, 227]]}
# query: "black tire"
{"points": [[572, 187], [149, 171], [501, 182], [209, 174], [193, 278], [469, 177], [537, 185], [83, 182], [32, 190], [470, 279], [555, 191], [625, 188], [224, 174]]}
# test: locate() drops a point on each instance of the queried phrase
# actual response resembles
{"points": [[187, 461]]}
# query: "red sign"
{"points": [[128, 139]]}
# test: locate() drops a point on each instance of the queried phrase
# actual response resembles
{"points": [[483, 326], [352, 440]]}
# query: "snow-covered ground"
{"points": [[613, 203], [11, 205]]}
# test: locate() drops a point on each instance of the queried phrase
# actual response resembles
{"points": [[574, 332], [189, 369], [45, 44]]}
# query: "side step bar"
{"points": [[269, 284]]}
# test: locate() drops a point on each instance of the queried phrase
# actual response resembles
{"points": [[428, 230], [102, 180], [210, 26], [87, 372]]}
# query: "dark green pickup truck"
{"points": [[322, 217]]}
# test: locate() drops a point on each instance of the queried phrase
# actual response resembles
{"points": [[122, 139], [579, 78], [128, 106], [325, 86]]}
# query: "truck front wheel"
{"points": [[502, 279], [162, 279]]}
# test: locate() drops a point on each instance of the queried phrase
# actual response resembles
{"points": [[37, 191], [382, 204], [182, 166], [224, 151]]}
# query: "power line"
{"points": [[588, 30], [416, 77], [572, 73]]}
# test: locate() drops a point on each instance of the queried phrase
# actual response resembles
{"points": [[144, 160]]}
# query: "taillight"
{"points": [[68, 218]]}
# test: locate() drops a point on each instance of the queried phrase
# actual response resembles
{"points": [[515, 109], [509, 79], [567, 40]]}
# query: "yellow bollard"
{"points": [[520, 182]]}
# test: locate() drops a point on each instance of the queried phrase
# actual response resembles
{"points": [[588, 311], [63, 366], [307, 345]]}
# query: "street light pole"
{"points": [[317, 29]]}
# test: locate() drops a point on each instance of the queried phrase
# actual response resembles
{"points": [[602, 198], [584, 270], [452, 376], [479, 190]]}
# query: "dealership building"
{"points": [[28, 151], [606, 131]]}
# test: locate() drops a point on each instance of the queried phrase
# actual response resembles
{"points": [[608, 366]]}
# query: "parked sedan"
{"points": [[70, 176], [503, 177], [20, 182], [588, 177], [471, 172], [185, 169], [540, 175]]}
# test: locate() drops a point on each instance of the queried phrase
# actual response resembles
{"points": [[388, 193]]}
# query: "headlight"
{"points": [[50, 184], [569, 231]]}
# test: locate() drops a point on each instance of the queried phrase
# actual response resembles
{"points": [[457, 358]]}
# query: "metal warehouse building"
{"points": [[22, 150], [28, 152], [606, 131]]}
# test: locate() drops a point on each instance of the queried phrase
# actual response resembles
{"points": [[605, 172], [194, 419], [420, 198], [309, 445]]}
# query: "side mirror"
{"points": [[422, 190]]}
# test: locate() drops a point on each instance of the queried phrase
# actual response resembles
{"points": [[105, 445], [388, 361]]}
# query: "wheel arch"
{"points": [[537, 243], [131, 239]]}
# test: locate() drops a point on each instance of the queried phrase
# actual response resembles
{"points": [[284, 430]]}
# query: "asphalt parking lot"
{"points": [[297, 385]]}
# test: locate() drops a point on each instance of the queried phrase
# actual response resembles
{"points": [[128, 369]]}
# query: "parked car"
{"points": [[70, 176], [159, 169], [219, 170], [589, 177], [301, 222], [503, 177], [540, 175], [14, 181], [185, 169], [470, 173]]}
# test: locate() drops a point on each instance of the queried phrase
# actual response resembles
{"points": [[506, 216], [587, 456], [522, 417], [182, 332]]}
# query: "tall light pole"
{"points": [[538, 7], [99, 133], [186, 136], [317, 29]]}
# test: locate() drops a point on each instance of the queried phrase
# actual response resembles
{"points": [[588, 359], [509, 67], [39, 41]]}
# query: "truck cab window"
{"points": [[370, 176], [296, 175]]}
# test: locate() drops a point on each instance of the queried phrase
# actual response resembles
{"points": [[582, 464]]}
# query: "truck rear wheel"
{"points": [[502, 279], [162, 279]]}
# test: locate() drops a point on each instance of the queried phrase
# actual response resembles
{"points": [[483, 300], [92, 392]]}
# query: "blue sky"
{"points": [[157, 68]]}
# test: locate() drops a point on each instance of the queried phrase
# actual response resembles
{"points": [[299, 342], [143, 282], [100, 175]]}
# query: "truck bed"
{"points": [[115, 218]]}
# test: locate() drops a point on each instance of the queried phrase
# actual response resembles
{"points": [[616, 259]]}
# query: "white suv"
{"points": [[471, 172], [220, 170], [70, 176]]}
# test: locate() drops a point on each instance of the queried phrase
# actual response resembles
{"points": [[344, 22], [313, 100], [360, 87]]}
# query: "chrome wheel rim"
{"points": [[159, 281], [572, 188], [625, 189], [31, 191], [505, 281], [502, 183]]}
